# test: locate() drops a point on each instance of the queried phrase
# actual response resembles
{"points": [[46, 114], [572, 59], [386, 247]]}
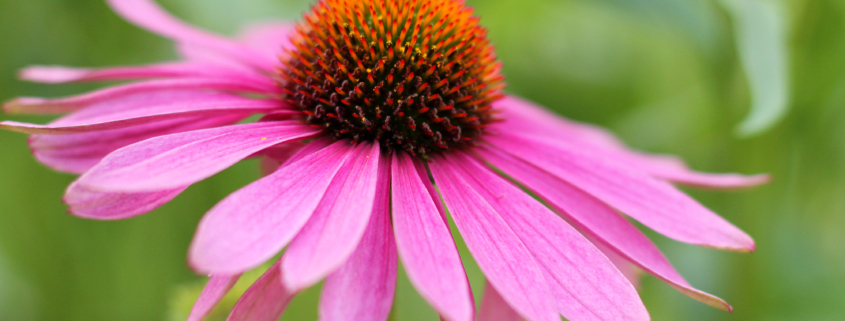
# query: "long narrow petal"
{"points": [[214, 291], [363, 288], [586, 285], [425, 244], [32, 105], [182, 159], [62, 74], [599, 221], [494, 307], [536, 122], [78, 153], [97, 205], [503, 258], [149, 15], [338, 223], [655, 203], [203, 107], [265, 300], [253, 224]]}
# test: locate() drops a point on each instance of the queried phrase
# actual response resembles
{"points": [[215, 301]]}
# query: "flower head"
{"points": [[368, 105]]}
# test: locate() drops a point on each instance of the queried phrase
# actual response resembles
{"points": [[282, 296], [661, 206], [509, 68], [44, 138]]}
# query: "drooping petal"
{"points": [[655, 203], [265, 300], [628, 269], [182, 159], [338, 223], [494, 307], [61, 74], [270, 38], [214, 291], [363, 288], [598, 220], [149, 15], [32, 105], [504, 259], [425, 244], [586, 285], [78, 153], [538, 123], [90, 204], [208, 106], [253, 224]]}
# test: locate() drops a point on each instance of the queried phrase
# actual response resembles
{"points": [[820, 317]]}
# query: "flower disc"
{"points": [[415, 75]]}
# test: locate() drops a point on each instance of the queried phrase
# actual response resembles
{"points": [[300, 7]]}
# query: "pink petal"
{"points": [[494, 307], [214, 291], [598, 220], [628, 269], [61, 74], [586, 285], [362, 289], [503, 258], [30, 105], [217, 105], [90, 204], [149, 15], [657, 204], [78, 153], [425, 244], [253, 224], [338, 223], [538, 123], [265, 300], [182, 159], [269, 38]]}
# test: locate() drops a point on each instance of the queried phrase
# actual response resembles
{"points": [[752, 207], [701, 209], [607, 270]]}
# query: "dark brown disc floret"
{"points": [[415, 75]]}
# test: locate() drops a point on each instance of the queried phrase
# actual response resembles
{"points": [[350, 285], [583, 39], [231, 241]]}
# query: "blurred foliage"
{"points": [[671, 76]]}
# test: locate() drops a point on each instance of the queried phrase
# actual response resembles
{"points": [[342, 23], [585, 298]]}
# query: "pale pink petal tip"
{"points": [[494, 307], [18, 105], [214, 291], [51, 74], [265, 300]]}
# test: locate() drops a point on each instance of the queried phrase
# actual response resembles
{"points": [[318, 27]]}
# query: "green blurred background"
{"points": [[746, 86]]}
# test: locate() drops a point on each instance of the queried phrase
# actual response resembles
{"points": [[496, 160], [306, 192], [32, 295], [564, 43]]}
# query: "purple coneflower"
{"points": [[368, 105]]}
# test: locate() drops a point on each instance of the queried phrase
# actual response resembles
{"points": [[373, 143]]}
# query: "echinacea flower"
{"points": [[376, 114]]}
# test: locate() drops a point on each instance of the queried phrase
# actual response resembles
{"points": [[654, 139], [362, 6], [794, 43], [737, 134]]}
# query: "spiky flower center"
{"points": [[416, 75]]}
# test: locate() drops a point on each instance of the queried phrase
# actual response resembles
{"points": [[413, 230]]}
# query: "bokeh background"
{"points": [[751, 86]]}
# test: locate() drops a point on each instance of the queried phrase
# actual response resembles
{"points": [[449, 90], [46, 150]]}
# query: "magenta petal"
{"points": [[425, 244], [253, 224], [599, 221], [270, 38], [149, 15], [182, 159], [536, 122], [203, 107], [655, 203], [96, 205], [265, 300], [214, 291], [30, 105], [494, 307], [61, 74], [78, 153], [362, 289], [586, 285], [338, 223], [505, 261]]}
